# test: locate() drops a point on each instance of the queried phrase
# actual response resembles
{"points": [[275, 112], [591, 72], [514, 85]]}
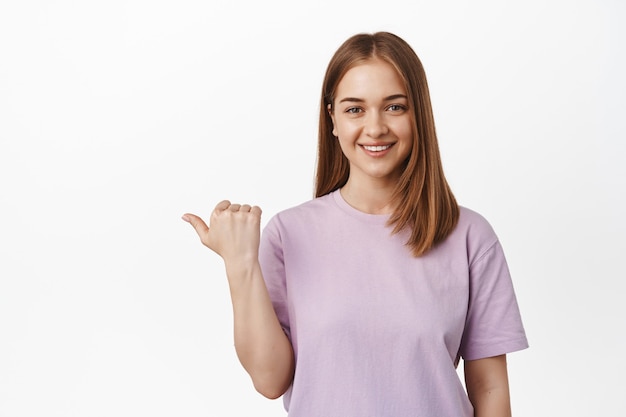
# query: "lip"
{"points": [[374, 149]]}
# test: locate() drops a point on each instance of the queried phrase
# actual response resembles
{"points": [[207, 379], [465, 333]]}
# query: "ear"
{"points": [[329, 108]]}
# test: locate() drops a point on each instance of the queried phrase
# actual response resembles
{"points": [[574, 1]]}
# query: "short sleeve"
{"points": [[493, 325], [272, 264]]}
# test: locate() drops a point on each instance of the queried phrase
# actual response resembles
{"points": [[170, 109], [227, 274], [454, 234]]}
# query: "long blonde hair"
{"points": [[422, 199]]}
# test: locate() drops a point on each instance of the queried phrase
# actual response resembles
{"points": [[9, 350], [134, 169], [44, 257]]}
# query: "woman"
{"points": [[361, 301]]}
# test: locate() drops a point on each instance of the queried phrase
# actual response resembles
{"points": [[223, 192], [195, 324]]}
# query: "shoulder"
{"points": [[474, 223], [475, 233], [301, 214]]}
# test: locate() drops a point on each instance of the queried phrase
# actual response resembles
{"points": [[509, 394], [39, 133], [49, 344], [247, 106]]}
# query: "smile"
{"points": [[376, 148]]}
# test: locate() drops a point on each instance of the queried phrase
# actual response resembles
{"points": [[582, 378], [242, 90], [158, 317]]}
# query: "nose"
{"points": [[375, 125]]}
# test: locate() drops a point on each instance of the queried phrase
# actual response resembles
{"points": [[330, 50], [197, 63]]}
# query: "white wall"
{"points": [[117, 117]]}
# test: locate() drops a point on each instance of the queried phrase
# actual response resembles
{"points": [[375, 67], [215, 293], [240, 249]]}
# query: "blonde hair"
{"points": [[423, 200]]}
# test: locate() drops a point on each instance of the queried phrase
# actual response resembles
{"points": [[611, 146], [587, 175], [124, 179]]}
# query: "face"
{"points": [[371, 119]]}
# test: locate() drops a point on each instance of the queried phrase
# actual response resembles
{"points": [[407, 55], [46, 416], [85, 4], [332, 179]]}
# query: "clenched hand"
{"points": [[234, 231]]}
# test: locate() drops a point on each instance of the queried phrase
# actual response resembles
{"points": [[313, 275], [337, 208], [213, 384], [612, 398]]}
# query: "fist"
{"points": [[233, 231]]}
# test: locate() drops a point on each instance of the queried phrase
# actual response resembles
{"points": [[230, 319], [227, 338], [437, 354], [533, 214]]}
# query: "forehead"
{"points": [[371, 78]]}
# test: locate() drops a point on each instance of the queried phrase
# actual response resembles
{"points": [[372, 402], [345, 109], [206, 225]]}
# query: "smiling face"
{"points": [[372, 121]]}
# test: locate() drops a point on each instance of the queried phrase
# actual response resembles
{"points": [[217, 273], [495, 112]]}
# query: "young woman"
{"points": [[361, 301]]}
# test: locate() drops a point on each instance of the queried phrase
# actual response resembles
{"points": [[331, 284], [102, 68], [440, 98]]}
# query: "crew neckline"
{"points": [[353, 212]]}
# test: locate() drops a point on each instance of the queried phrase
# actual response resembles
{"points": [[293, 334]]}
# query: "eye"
{"points": [[396, 108], [354, 110]]}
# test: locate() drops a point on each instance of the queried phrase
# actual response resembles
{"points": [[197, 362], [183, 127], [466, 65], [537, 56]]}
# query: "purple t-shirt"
{"points": [[376, 331]]}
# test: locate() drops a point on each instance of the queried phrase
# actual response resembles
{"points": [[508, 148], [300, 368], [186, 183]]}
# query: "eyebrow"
{"points": [[360, 100]]}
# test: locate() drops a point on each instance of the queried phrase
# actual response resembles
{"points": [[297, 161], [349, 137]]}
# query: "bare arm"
{"points": [[488, 386], [262, 347]]}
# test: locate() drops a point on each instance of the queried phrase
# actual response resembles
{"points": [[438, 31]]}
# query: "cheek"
{"points": [[404, 132], [406, 139], [343, 143], [346, 129], [347, 144]]}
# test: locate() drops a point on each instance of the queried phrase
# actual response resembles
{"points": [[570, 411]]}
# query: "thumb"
{"points": [[198, 224]]}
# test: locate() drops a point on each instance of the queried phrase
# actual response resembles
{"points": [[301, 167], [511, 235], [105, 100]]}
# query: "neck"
{"points": [[369, 199]]}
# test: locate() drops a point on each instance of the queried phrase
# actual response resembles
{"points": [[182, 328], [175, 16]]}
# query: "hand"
{"points": [[234, 231]]}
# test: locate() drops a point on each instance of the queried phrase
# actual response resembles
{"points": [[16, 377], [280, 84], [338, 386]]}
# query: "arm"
{"points": [[488, 386], [262, 347]]}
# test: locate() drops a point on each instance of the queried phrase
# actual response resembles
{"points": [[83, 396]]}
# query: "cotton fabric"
{"points": [[377, 332]]}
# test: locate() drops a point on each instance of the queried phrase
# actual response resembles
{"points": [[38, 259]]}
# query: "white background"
{"points": [[117, 117]]}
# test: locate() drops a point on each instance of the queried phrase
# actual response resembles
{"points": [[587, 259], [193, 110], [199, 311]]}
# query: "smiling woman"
{"points": [[373, 125], [362, 301], [385, 66]]}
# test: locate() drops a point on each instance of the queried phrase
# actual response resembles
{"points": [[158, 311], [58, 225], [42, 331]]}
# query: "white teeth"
{"points": [[376, 148]]}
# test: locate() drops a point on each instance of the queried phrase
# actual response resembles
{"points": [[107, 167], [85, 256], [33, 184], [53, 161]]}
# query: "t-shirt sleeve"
{"points": [[493, 325], [272, 264]]}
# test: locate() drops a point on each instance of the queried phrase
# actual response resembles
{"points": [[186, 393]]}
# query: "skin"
{"points": [[488, 386], [370, 110], [261, 345]]}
